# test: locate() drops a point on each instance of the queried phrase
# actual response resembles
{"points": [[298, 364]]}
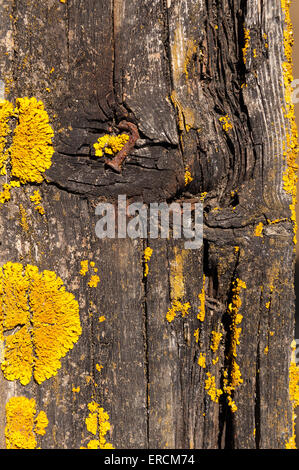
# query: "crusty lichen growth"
{"points": [[246, 44], [188, 176], [226, 122], [6, 112], [110, 144], [22, 424], [294, 395], [202, 309], [36, 198], [215, 340], [232, 375], [147, 254], [31, 150], [41, 321], [97, 423], [291, 144], [177, 307], [212, 390], [258, 232]]}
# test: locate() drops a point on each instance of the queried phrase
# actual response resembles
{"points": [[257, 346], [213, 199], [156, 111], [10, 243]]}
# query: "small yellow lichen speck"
{"points": [[212, 390], [37, 199], [94, 281], [23, 215], [102, 318], [147, 254], [246, 45], [232, 377], [202, 361], [22, 425], [215, 340], [188, 177], [226, 123], [110, 144], [76, 389], [39, 322], [84, 267], [259, 230], [201, 296]]}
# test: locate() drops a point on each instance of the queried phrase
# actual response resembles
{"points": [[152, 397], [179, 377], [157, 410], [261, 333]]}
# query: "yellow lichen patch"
{"points": [[76, 389], [147, 254], [102, 318], [97, 423], [41, 423], [246, 45], [201, 296], [294, 395], [6, 111], [22, 425], [212, 390], [196, 335], [258, 232], [226, 122], [232, 375], [186, 117], [31, 150], [177, 307], [191, 50], [110, 144], [215, 340], [291, 145], [84, 267], [5, 193], [37, 199], [43, 318], [23, 216], [94, 281], [202, 360], [188, 177]]}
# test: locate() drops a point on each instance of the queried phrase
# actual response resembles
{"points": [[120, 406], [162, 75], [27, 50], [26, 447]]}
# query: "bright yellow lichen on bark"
{"points": [[226, 123], [258, 232], [212, 390], [215, 340], [37, 199], [246, 45], [188, 177], [232, 375], [202, 360], [177, 307], [6, 111], [110, 144], [201, 296], [294, 395], [97, 423], [93, 281], [31, 150], [291, 145], [147, 254], [22, 424], [44, 322]]}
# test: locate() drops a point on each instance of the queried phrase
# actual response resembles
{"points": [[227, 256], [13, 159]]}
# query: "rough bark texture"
{"points": [[174, 68]]}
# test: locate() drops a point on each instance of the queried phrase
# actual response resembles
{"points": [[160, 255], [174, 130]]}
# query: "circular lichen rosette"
{"points": [[39, 322]]}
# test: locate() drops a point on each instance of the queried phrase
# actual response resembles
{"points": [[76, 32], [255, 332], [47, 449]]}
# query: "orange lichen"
{"points": [[232, 375], [201, 296], [41, 321], [291, 145], [23, 216], [84, 267], [110, 144], [147, 254], [97, 423], [22, 425]]}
